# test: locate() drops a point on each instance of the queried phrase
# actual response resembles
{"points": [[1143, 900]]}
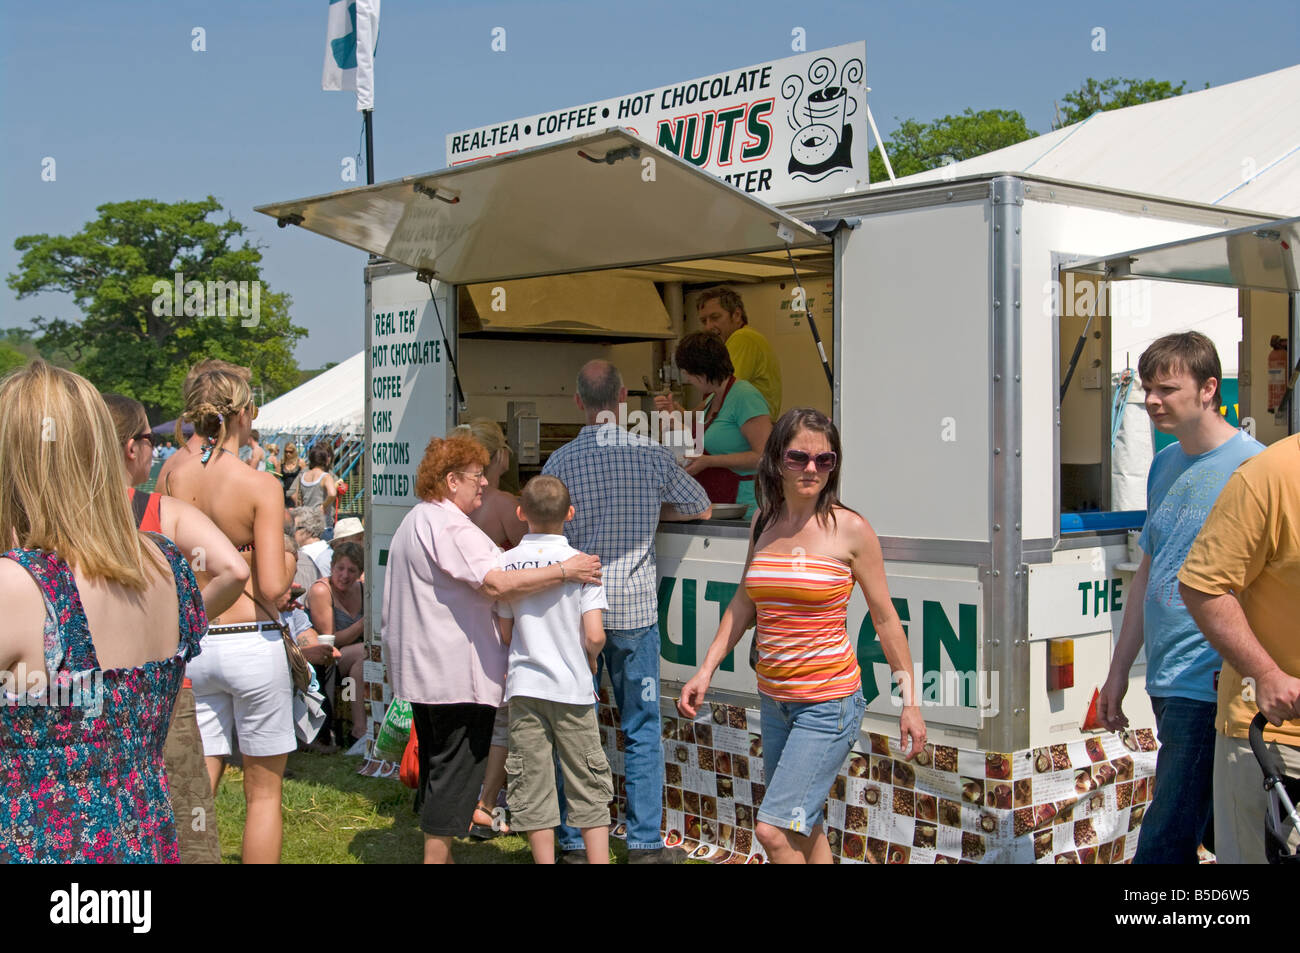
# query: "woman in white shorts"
{"points": [[242, 684]]}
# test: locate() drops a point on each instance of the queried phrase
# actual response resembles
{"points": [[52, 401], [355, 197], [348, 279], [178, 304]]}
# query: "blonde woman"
{"points": [[194, 445], [242, 685], [189, 786], [334, 604], [100, 620], [498, 518], [289, 467]]}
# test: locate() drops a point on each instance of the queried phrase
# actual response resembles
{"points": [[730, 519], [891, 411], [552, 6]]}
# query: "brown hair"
{"points": [[1190, 351], [320, 456], [62, 483], [727, 298], [129, 417], [545, 499], [769, 488], [442, 457], [352, 552], [704, 354]]}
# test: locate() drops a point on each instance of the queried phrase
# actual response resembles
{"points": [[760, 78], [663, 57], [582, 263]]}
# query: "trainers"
{"points": [[358, 748], [572, 857], [661, 855]]}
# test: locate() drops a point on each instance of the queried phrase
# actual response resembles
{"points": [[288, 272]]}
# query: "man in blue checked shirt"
{"points": [[622, 485]]}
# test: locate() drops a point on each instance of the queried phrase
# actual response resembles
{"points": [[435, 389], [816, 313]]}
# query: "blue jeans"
{"points": [[804, 747], [1179, 817], [632, 657]]}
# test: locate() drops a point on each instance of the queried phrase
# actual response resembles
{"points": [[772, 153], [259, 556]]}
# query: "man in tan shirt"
{"points": [[1241, 583]]}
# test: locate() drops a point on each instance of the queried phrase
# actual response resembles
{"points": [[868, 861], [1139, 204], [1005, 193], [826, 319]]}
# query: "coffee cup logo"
{"points": [[823, 138]]}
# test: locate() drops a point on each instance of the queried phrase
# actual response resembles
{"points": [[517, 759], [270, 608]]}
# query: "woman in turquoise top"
{"points": [[736, 421]]}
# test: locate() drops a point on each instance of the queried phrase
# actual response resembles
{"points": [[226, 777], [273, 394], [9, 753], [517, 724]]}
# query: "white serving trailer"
{"points": [[950, 313]]}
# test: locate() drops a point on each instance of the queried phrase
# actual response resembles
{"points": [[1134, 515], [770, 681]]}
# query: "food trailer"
{"points": [[948, 315]]}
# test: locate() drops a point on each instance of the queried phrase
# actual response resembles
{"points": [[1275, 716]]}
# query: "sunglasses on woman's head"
{"points": [[798, 460]]}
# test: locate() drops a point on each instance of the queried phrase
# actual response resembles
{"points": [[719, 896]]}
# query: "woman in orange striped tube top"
{"points": [[807, 551]]}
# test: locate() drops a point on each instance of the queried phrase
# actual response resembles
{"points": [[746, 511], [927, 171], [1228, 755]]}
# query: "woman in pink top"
{"points": [[806, 552], [444, 651]]}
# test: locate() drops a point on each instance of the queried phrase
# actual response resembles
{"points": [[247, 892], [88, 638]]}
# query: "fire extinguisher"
{"points": [[1277, 361]]}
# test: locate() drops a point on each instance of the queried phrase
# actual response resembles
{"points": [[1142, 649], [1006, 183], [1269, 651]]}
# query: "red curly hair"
{"points": [[442, 457]]}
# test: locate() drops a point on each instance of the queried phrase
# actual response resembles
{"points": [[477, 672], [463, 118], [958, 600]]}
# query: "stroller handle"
{"points": [[1269, 763]]}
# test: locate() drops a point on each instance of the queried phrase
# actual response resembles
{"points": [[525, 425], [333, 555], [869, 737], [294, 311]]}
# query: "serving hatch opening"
{"points": [[602, 201], [1261, 263]]}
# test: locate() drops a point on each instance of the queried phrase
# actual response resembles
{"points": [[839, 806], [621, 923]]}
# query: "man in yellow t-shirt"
{"points": [[1241, 583], [722, 312]]}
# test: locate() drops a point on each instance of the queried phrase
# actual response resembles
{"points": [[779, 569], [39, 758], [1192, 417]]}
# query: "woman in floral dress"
{"points": [[99, 622]]}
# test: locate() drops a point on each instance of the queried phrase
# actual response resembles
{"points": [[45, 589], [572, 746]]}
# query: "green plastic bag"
{"points": [[395, 731]]}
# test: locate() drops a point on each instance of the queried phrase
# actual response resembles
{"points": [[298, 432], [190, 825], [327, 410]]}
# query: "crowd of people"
{"points": [[151, 623], [501, 615], [574, 597]]}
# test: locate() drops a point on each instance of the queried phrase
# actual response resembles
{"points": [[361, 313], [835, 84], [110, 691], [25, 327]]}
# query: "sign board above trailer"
{"points": [[788, 130], [606, 200], [1262, 257]]}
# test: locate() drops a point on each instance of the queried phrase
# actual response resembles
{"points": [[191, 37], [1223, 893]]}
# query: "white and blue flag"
{"points": [[350, 40]]}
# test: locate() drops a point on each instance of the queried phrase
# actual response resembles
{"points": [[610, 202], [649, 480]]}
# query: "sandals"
{"points": [[493, 827]]}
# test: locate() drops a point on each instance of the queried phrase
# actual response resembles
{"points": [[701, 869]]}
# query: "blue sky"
{"points": [[128, 110]]}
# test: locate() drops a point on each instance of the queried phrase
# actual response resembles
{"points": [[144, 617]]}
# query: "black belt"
{"points": [[238, 627]]}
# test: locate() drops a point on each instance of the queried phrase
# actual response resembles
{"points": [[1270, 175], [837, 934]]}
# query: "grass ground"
{"points": [[332, 815]]}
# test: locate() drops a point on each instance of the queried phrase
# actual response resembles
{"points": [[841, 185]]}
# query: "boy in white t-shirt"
{"points": [[555, 637]]}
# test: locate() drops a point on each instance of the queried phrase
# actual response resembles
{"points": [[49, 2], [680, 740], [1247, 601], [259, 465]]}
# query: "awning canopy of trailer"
{"points": [[1265, 258], [607, 200]]}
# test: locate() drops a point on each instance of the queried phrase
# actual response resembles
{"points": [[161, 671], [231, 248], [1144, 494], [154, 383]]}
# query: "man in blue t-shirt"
{"points": [[1181, 374]]}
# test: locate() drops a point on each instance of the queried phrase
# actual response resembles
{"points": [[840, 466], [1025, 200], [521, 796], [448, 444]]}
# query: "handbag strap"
{"points": [[275, 616], [715, 406]]}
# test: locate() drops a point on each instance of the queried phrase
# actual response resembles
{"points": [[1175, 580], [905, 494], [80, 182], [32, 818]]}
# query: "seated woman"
{"points": [[100, 620], [736, 421], [335, 604]]}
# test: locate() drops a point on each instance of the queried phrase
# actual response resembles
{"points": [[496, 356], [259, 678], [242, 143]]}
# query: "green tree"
{"points": [[11, 358], [918, 146], [134, 339], [25, 342], [1098, 96]]}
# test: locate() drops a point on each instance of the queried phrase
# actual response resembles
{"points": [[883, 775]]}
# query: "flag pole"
{"points": [[370, 146]]}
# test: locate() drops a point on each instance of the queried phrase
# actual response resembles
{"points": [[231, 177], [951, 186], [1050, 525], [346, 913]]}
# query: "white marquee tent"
{"points": [[332, 402], [1236, 145]]}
